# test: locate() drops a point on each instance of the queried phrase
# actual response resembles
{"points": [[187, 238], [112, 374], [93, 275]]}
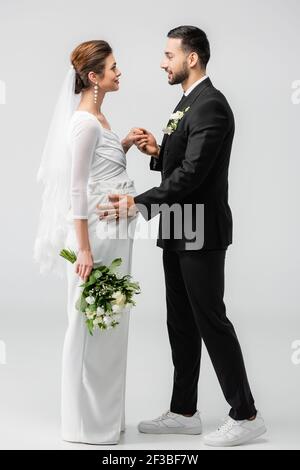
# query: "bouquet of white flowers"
{"points": [[105, 295]]}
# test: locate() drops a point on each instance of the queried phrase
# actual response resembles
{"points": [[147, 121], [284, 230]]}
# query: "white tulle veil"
{"points": [[55, 173]]}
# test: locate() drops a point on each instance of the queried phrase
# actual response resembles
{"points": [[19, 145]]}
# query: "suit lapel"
{"points": [[187, 101], [183, 98]]}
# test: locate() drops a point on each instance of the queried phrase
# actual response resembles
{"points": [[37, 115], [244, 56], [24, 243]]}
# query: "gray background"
{"points": [[255, 59]]}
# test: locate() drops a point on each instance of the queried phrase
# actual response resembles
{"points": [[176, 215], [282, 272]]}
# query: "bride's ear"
{"points": [[92, 76]]}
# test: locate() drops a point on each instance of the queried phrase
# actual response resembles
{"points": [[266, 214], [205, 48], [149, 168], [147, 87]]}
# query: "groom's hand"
{"points": [[120, 206], [129, 140], [146, 143]]}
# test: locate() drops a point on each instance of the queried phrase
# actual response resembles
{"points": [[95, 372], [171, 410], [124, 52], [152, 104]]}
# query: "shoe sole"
{"points": [[170, 431], [238, 442]]}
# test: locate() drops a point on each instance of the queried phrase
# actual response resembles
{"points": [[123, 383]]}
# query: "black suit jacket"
{"points": [[194, 163]]}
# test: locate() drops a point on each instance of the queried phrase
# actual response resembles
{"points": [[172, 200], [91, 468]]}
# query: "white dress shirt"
{"points": [[188, 91]]}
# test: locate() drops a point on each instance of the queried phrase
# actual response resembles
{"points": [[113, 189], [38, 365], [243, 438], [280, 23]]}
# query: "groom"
{"points": [[194, 234]]}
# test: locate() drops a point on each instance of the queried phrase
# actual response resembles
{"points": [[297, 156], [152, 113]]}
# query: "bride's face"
{"points": [[109, 81]]}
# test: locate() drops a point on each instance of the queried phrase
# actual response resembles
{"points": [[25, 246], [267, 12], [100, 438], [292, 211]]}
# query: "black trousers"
{"points": [[196, 311]]}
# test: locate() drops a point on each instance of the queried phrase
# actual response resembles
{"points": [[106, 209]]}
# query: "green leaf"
{"points": [[115, 264], [77, 304], [90, 326], [97, 274], [82, 303], [91, 280]]}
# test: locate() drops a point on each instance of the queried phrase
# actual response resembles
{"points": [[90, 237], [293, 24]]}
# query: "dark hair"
{"points": [[88, 57], [193, 40]]}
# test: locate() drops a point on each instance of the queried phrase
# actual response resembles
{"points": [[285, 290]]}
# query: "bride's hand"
{"points": [[129, 140], [146, 143], [84, 264]]}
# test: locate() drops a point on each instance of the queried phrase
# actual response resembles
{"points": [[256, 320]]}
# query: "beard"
{"points": [[180, 76]]}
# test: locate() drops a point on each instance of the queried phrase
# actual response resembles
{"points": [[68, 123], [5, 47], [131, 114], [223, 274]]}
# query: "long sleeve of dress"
{"points": [[84, 138]]}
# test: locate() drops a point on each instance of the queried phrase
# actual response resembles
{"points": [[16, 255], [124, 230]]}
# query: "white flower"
{"points": [[177, 115], [117, 308], [90, 300], [117, 317], [100, 311], [173, 121], [120, 298], [107, 320], [167, 130], [97, 321], [90, 315]]}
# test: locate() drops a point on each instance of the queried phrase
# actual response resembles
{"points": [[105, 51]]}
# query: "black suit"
{"points": [[194, 163]]}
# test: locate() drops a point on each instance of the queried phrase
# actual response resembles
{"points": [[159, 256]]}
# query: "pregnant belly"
{"points": [[120, 229], [98, 193]]}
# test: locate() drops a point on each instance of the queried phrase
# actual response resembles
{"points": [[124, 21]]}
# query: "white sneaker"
{"points": [[235, 433], [172, 423]]}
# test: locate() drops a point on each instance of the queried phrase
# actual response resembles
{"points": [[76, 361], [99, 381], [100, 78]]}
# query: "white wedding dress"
{"points": [[94, 367]]}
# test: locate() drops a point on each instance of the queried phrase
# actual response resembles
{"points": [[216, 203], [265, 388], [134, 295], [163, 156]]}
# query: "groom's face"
{"points": [[175, 62]]}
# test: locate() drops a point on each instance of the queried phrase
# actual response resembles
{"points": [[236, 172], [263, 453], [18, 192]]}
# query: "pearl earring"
{"points": [[96, 93]]}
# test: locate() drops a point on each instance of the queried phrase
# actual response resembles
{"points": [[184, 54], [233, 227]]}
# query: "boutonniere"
{"points": [[174, 120]]}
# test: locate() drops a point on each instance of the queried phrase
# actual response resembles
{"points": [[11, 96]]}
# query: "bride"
{"points": [[84, 161]]}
